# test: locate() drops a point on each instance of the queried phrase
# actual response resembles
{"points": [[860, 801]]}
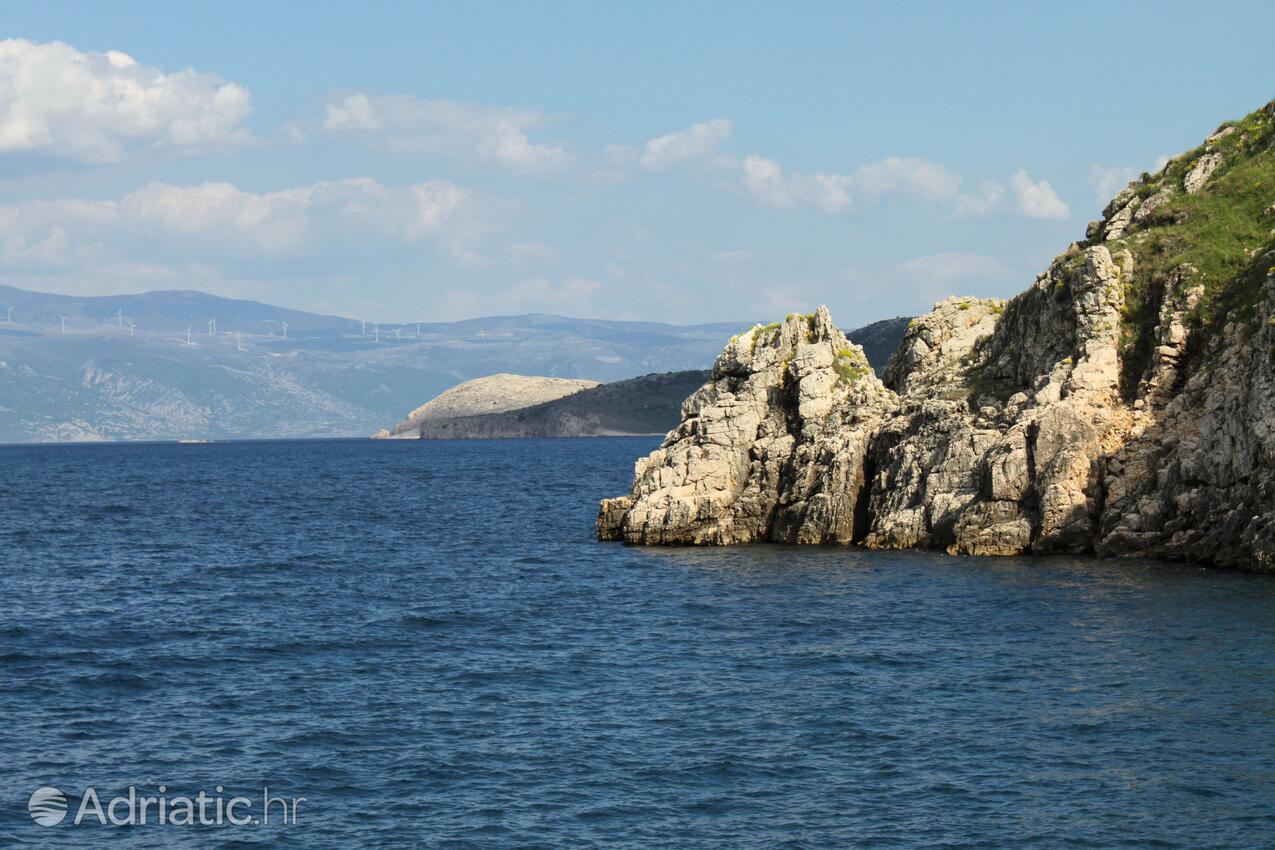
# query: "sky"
{"points": [[682, 162]]}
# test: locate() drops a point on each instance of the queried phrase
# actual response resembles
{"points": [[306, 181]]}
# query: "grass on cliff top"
{"points": [[1221, 232], [850, 366], [1219, 229]]}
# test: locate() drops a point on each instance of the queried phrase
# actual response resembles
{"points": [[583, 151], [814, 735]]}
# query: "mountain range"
{"points": [[190, 365], [153, 366]]}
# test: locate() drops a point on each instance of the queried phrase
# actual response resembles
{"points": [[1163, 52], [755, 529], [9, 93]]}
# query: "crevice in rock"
{"points": [[863, 500], [1030, 500], [1141, 326]]}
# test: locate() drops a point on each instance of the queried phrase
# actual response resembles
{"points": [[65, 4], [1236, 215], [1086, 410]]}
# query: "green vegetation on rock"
{"points": [[1217, 237], [850, 366]]}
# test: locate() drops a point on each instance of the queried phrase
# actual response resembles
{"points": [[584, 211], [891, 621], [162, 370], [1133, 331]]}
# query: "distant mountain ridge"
{"points": [[124, 369], [183, 364]]}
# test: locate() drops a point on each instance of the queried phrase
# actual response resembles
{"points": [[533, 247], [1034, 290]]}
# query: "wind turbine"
{"points": [[119, 317], [362, 328], [396, 332], [482, 333], [63, 318], [238, 344], [212, 327], [376, 329], [285, 330], [132, 327], [10, 315], [188, 342], [418, 330]]}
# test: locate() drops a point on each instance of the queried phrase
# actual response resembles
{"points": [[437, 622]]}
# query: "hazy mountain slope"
{"points": [[329, 377], [649, 404], [880, 340]]}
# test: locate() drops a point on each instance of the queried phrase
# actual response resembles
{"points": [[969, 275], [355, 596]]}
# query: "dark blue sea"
{"points": [[425, 642]]}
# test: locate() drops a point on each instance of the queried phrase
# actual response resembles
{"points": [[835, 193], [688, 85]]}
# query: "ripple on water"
{"points": [[434, 654]]}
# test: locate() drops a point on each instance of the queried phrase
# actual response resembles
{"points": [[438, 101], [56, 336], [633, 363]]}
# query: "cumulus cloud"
{"points": [[406, 124], [219, 219], [983, 202], [769, 184], [1037, 199], [694, 143], [95, 107], [915, 178]]}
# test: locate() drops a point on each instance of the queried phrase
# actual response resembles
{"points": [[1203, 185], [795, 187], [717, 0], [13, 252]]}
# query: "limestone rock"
{"points": [[1148, 207], [769, 449], [1062, 420], [1119, 223], [999, 429], [1201, 172]]}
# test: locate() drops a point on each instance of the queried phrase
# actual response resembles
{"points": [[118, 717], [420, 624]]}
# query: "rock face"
{"points": [[1124, 404], [728, 473]]}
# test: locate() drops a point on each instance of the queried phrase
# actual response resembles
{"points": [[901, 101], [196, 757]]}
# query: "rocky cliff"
{"points": [[1123, 405]]}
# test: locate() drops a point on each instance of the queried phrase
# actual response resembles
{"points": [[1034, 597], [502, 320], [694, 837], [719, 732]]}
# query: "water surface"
{"points": [[424, 640]]}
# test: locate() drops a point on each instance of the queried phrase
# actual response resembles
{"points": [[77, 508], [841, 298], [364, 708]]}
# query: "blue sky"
{"points": [[680, 162]]}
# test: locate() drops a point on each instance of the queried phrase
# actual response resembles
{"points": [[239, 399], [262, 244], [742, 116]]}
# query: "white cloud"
{"points": [[983, 202], [1037, 199], [769, 184], [353, 113], [272, 222], [94, 107], [696, 142], [219, 219], [406, 124], [915, 178]]}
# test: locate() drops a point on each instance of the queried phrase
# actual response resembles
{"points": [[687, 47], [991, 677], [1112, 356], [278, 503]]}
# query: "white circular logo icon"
{"points": [[47, 806]]}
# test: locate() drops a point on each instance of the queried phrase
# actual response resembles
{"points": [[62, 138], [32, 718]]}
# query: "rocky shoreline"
{"points": [[1123, 405]]}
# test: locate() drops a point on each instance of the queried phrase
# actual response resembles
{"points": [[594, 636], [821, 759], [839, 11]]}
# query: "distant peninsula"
{"points": [[516, 406]]}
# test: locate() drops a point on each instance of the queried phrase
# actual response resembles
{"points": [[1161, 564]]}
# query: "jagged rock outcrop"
{"points": [[1124, 404], [726, 475]]}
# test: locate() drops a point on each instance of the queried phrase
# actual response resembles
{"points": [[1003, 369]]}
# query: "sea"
{"points": [[421, 644]]}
